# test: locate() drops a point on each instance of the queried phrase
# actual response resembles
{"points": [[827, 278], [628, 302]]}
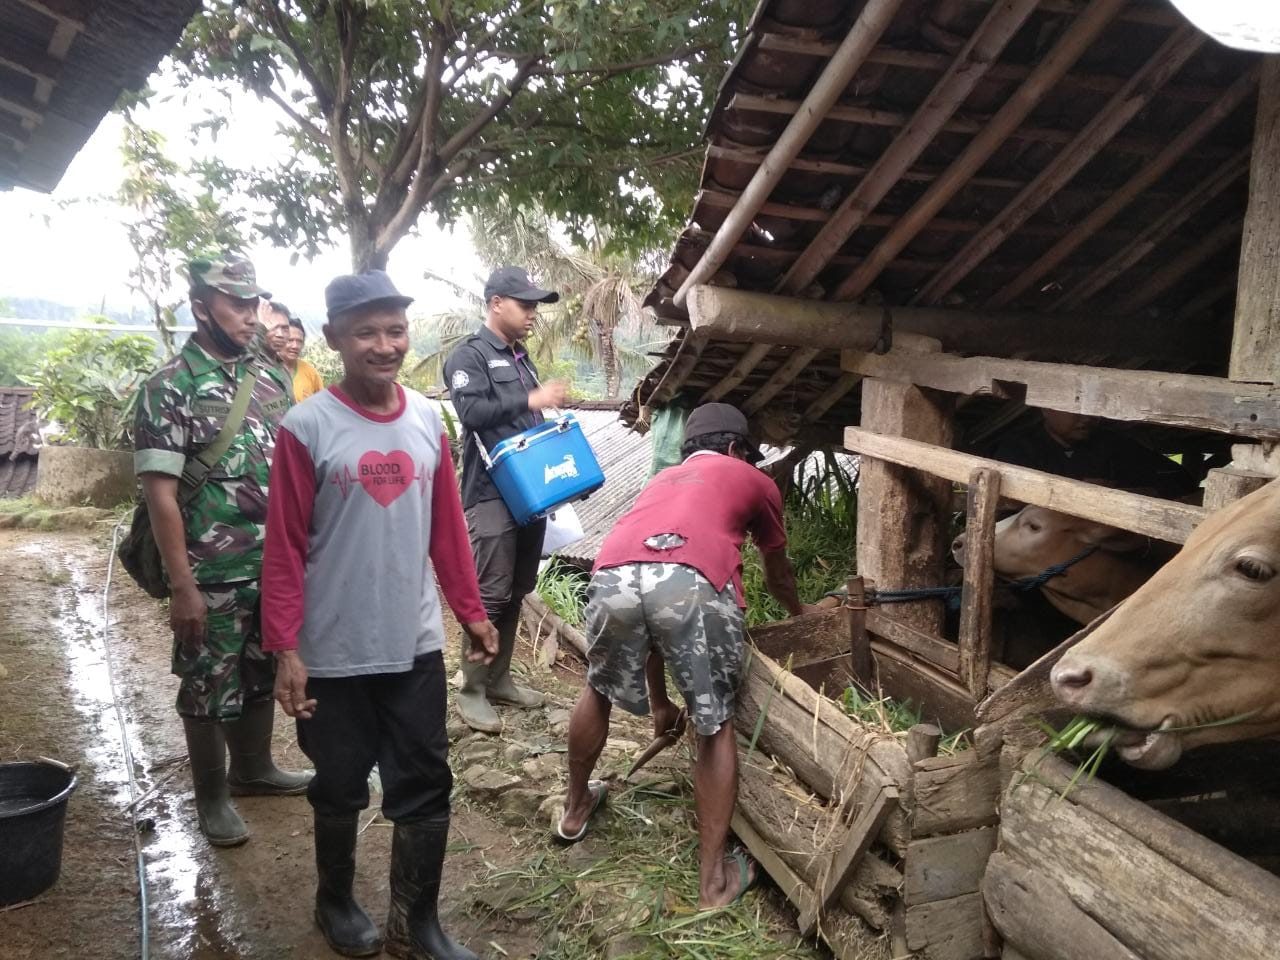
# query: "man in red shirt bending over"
{"points": [[668, 581]]}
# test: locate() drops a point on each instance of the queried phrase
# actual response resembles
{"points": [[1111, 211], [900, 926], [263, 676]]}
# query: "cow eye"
{"points": [[1253, 569], [1033, 526]]}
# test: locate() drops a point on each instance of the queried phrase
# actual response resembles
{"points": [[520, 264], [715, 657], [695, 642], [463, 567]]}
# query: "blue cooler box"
{"points": [[543, 467]]}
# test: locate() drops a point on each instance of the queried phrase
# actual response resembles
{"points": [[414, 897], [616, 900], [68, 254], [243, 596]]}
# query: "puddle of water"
{"points": [[185, 896]]}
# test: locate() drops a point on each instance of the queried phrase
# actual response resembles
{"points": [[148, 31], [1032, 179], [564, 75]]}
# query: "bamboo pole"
{"points": [[1137, 92], [1147, 175], [875, 17], [1074, 41], [933, 115]]}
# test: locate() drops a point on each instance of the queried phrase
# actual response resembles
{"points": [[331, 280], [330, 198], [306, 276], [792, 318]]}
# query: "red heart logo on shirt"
{"points": [[385, 476]]}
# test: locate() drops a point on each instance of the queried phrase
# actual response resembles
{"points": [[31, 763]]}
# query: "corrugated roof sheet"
{"points": [[624, 456], [19, 442]]}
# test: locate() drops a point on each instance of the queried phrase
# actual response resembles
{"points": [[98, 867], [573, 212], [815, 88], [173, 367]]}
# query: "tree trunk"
{"points": [[364, 248], [609, 360]]}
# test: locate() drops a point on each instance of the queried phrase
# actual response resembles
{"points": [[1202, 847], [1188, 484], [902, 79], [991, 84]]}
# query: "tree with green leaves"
{"points": [[174, 213], [599, 315], [590, 109]]}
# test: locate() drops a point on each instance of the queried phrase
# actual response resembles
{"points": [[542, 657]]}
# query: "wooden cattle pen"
{"points": [[917, 220]]}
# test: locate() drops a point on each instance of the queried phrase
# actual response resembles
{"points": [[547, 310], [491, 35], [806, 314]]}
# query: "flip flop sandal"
{"points": [[599, 792], [745, 880]]}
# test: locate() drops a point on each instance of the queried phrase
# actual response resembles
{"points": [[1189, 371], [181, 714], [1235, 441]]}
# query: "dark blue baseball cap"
{"points": [[514, 282], [354, 290]]}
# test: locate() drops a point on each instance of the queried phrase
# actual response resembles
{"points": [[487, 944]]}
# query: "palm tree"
{"points": [[599, 315]]}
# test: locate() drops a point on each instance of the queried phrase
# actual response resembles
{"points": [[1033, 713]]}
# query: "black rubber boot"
{"points": [[253, 772], [502, 687], [207, 751], [346, 927], [413, 924]]}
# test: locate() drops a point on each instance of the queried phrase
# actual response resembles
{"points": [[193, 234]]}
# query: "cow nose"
{"points": [[957, 546], [1073, 678]]}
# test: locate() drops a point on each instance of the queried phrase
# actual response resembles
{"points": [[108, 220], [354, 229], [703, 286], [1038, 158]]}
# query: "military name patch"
{"points": [[498, 363], [210, 408]]}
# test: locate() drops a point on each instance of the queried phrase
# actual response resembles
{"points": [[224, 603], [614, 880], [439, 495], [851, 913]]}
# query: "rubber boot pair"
{"points": [[413, 921], [346, 927], [484, 685], [253, 772]]}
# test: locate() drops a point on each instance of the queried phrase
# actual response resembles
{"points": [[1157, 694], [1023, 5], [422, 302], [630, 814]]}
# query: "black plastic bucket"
{"points": [[33, 808]]}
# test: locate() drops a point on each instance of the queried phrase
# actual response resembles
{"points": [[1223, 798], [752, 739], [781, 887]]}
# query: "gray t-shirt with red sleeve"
{"points": [[362, 507]]}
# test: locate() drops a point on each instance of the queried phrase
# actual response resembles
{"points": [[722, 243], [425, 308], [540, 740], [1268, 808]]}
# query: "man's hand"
{"points": [[484, 641], [187, 612], [291, 685], [550, 394]]}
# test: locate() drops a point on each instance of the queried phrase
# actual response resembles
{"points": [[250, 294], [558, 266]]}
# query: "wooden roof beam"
{"points": [[872, 21], [39, 66], [830, 397], [1070, 46], [682, 364], [741, 316], [783, 376], [749, 360], [948, 95], [788, 211], [20, 105], [1150, 172], [926, 60], [1169, 399], [968, 125], [1156, 233], [72, 12], [14, 131], [1119, 110], [1177, 268]]}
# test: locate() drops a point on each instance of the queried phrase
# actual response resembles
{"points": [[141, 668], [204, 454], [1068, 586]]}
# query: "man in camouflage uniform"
{"points": [[211, 544], [667, 586]]}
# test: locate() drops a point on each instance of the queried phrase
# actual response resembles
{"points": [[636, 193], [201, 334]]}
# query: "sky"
{"points": [[67, 248]]}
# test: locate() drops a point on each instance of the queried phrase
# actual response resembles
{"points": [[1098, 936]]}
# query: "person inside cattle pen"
{"points": [[210, 538], [364, 518], [494, 388], [1080, 447], [667, 586]]}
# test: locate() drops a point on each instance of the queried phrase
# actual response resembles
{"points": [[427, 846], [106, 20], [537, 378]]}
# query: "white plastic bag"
{"points": [[563, 528]]}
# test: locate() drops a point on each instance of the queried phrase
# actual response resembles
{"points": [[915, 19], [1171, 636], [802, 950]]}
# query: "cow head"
{"points": [[1199, 643], [1034, 539]]}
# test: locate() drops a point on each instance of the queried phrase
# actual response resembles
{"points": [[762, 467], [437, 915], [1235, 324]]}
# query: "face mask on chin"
{"points": [[220, 339]]}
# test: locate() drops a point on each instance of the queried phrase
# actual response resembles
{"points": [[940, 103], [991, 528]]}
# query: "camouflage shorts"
{"points": [[228, 668], [673, 609]]}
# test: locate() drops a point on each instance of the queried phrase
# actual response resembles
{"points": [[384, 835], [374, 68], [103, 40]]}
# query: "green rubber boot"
{"points": [[473, 705], [502, 687], [207, 750], [253, 773]]}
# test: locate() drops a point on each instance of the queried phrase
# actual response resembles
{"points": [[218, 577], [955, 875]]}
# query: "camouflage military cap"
{"points": [[231, 273]]}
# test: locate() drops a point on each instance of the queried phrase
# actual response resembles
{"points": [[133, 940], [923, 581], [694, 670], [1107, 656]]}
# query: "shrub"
{"points": [[87, 388]]}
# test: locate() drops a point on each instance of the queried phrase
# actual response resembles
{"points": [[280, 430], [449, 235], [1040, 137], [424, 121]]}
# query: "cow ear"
{"points": [[1115, 541]]}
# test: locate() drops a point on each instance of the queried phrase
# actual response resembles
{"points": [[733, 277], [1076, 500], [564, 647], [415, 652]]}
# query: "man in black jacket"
{"points": [[495, 390]]}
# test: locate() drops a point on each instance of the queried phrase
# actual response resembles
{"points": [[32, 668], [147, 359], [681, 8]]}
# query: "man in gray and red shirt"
{"points": [[667, 586], [364, 519]]}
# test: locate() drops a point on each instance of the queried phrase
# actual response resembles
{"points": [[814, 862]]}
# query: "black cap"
{"points": [[721, 418], [350, 291], [514, 282]]}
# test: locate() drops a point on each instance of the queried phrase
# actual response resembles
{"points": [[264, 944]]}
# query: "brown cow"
{"points": [[1199, 643], [1034, 539]]}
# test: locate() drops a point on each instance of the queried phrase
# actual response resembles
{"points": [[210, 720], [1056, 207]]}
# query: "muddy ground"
{"points": [[509, 891]]}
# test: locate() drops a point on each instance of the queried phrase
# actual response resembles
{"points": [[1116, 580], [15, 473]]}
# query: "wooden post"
{"points": [[1226, 485], [859, 639], [1256, 342], [979, 580], [901, 512], [922, 742]]}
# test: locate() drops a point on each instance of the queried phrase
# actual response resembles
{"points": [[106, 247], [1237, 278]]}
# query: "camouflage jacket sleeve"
{"points": [[162, 430]]}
